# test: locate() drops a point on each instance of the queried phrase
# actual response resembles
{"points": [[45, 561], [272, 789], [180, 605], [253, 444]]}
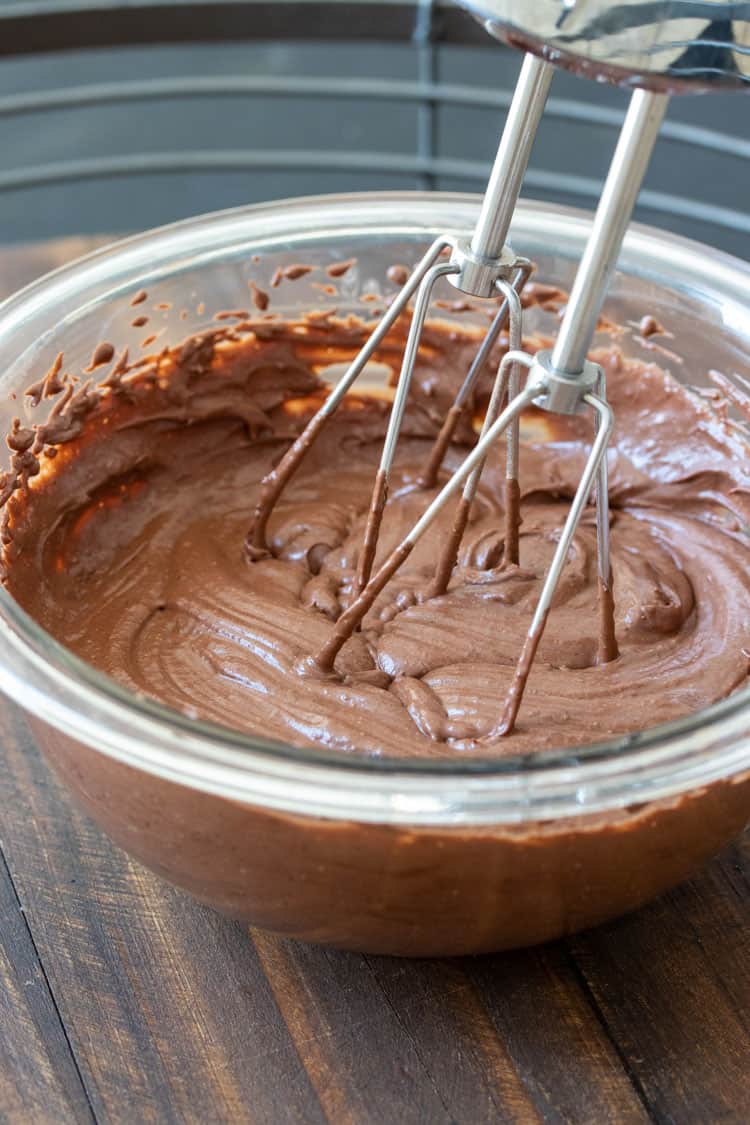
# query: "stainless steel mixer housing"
{"points": [[670, 45]]}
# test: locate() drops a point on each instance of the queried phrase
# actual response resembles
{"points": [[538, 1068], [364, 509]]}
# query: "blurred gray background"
{"points": [[110, 139]]}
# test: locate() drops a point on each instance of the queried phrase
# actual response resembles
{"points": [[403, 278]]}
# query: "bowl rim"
{"points": [[659, 762]]}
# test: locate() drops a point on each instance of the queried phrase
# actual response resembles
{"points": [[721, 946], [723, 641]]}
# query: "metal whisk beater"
{"points": [[561, 380]]}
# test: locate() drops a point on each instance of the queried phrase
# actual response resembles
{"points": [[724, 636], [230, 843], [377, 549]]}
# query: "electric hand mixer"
{"points": [[657, 47]]}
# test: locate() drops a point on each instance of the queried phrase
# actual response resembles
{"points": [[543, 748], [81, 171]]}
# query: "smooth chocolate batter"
{"points": [[128, 509]]}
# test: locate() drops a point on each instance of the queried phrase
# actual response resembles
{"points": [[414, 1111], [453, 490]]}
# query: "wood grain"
{"points": [[537, 1005], [168, 1012], [673, 985], [39, 1078]]}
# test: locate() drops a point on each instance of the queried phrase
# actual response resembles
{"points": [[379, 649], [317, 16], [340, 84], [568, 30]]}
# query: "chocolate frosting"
{"points": [[128, 509]]}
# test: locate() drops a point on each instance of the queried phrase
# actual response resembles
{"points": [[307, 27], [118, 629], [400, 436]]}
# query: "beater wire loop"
{"points": [[274, 483], [463, 400], [383, 476], [352, 618], [504, 388], [605, 421]]}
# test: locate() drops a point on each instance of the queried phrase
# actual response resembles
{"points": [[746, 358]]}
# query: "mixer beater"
{"points": [[561, 380]]}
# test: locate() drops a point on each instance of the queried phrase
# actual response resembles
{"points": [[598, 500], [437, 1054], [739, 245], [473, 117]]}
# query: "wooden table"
{"points": [[121, 1000]]}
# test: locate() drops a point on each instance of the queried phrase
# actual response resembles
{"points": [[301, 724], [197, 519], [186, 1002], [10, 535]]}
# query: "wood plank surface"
{"points": [[168, 1013], [123, 1001], [38, 1075], [673, 985]]}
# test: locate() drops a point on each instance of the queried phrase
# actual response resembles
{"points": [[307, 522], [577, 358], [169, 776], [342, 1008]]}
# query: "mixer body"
{"points": [[668, 45]]}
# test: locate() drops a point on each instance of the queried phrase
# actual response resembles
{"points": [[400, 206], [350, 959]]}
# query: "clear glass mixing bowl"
{"points": [[380, 855]]}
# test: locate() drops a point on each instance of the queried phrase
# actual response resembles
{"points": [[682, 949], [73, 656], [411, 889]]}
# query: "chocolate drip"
{"points": [[338, 269], [449, 553], [520, 679], [512, 521], [274, 483], [372, 529], [608, 649], [428, 477], [103, 353], [352, 618]]}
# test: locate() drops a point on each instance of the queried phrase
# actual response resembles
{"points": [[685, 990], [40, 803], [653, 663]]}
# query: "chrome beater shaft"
{"points": [[474, 267], [478, 268]]}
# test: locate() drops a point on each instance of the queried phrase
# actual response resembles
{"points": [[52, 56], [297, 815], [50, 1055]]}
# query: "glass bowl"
{"points": [[388, 856]]}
